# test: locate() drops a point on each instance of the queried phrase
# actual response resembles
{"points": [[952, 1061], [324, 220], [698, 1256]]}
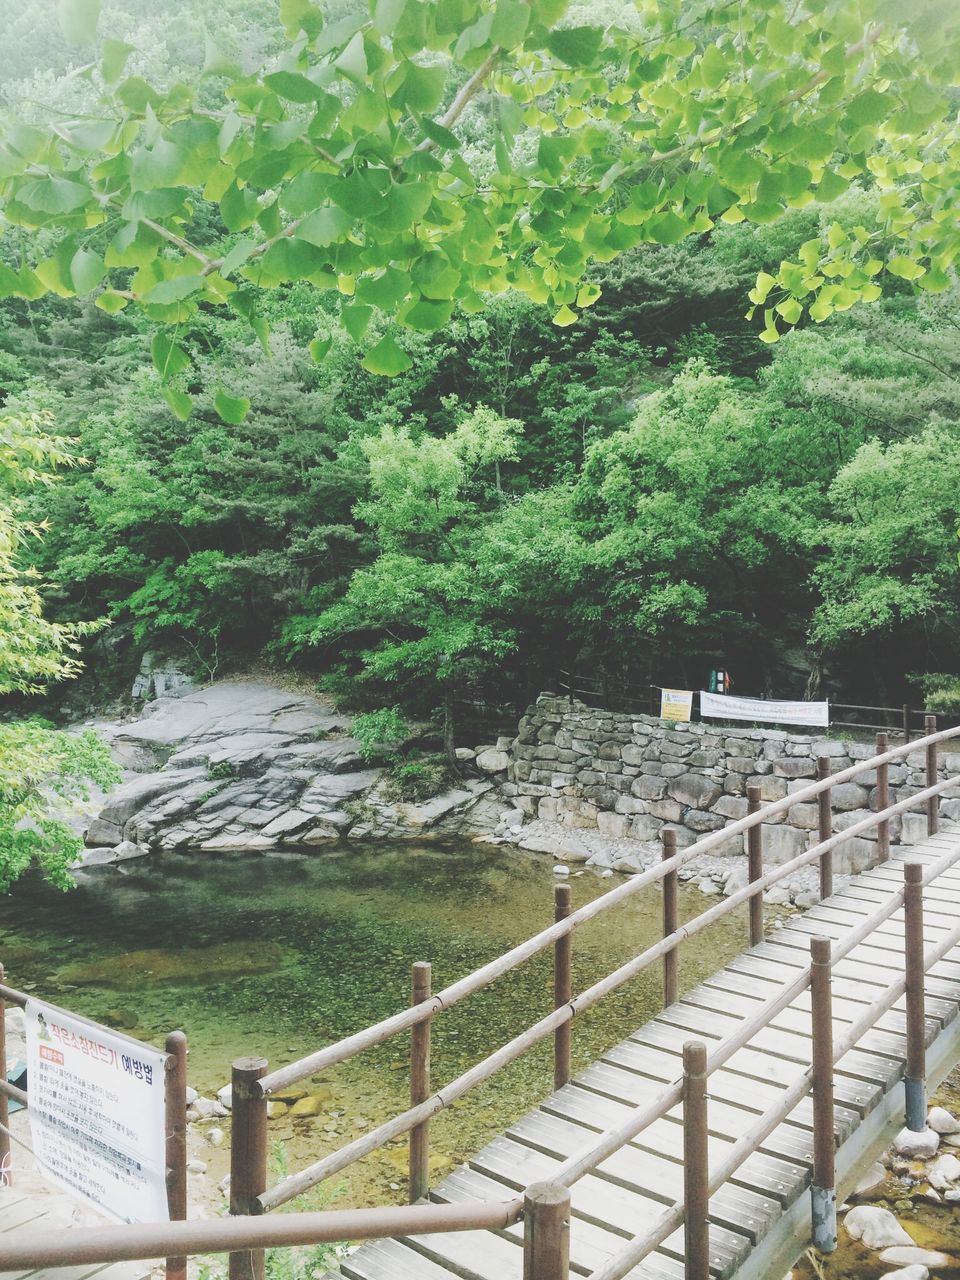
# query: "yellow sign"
{"points": [[676, 704]]}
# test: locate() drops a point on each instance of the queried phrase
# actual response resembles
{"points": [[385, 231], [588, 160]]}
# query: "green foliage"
{"points": [[224, 769], [417, 779], [941, 693], [379, 730], [339, 160]]}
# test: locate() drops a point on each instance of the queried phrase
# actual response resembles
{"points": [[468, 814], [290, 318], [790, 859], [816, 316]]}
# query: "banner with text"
{"points": [[721, 706], [97, 1114], [676, 704]]}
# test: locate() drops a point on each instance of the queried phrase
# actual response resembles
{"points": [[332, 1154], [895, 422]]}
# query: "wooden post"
{"points": [[933, 804], [883, 800], [755, 867], [248, 1157], [6, 1156], [823, 1192], [906, 723], [696, 1170], [562, 987], [670, 917], [915, 1083], [419, 1178], [176, 1116], [825, 825], [546, 1232]]}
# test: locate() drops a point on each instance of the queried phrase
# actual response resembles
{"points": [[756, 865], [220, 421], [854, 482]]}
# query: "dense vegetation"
{"points": [[644, 492]]}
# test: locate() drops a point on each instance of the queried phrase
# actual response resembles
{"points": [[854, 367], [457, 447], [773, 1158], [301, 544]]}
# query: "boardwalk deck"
{"points": [[20, 1211], [634, 1187]]}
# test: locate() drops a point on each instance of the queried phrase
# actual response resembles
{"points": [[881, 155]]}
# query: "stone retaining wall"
{"points": [[628, 776]]}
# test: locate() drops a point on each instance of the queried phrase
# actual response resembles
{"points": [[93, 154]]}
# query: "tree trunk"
{"points": [[449, 744]]}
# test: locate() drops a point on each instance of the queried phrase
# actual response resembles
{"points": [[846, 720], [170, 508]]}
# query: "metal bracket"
{"points": [[823, 1205]]}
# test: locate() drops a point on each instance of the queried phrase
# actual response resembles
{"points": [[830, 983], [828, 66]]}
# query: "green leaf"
{"points": [[790, 309], [174, 290], [439, 135], [78, 20], [510, 21], [422, 88], [169, 358], [299, 15], [426, 317], [403, 206], [385, 291], [111, 301], [387, 359], [237, 256], [325, 227], [868, 108], [565, 317], [353, 61], [905, 268], [667, 228], [54, 195], [231, 409], [238, 207], [181, 405], [86, 270], [319, 348], [356, 319], [387, 15], [830, 186], [293, 87], [576, 46], [435, 277], [114, 59]]}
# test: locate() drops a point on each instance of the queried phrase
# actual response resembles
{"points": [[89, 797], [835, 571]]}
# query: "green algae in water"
{"points": [[314, 947]]}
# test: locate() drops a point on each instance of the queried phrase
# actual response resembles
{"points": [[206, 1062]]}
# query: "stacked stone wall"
{"points": [[629, 776]]}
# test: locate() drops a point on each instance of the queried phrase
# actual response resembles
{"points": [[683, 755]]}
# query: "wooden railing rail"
{"points": [[417, 1116]]}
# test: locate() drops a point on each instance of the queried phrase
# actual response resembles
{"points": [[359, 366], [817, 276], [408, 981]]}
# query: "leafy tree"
{"points": [[420, 620], [39, 767], [337, 161]]}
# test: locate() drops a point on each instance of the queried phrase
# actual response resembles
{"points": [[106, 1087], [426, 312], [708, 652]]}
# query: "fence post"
{"points": [[906, 723], [883, 800], [248, 1156], [933, 804], [6, 1156], [175, 1098], [546, 1232], [670, 917], [696, 1169], [823, 1191], [915, 1084], [755, 866], [825, 825], [419, 1178], [562, 987]]}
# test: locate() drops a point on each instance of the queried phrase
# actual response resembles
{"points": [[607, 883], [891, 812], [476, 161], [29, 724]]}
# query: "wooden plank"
{"points": [[636, 1168], [391, 1260], [473, 1255]]}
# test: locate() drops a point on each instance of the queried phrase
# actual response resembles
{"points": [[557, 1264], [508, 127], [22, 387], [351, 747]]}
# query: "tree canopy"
{"points": [[340, 156]]}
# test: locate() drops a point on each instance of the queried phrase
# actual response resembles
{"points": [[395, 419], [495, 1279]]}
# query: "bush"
{"points": [[377, 732], [941, 693], [418, 779]]}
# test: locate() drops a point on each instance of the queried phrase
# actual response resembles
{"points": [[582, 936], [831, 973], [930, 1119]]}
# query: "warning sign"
{"points": [[97, 1114]]}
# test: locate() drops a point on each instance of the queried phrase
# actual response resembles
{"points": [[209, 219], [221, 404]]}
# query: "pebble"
{"points": [[225, 1096], [915, 1272], [191, 1096], [215, 1137], [196, 1166], [560, 869], [913, 1255], [944, 1170]]}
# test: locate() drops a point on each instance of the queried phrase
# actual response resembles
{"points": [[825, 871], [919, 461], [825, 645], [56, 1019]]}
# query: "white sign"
{"points": [[97, 1115], [676, 704], [721, 706]]}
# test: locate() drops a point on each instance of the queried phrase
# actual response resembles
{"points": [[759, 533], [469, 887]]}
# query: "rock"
{"points": [[225, 1096], [738, 879], [920, 1146], [709, 887], [215, 1137], [192, 1096], [941, 1121], [492, 761], [561, 870], [876, 1227], [944, 1170], [196, 1166], [871, 1180], [912, 1255], [465, 755], [314, 1104], [694, 789], [914, 1272], [205, 1108]]}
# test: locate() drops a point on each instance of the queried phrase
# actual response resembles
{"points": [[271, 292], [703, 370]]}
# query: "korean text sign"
{"points": [[97, 1115]]}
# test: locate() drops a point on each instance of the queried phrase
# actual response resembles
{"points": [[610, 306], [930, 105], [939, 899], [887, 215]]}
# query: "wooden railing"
{"points": [[544, 1208]]}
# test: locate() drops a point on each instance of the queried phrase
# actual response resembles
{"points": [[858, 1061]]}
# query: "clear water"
{"points": [[277, 956]]}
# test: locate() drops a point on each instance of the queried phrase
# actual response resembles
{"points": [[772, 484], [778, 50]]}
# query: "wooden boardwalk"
{"points": [[762, 1212], [22, 1211]]}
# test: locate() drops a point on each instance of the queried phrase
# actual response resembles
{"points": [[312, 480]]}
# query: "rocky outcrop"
{"points": [[244, 765]]}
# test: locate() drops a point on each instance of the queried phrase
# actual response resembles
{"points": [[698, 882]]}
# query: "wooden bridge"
{"points": [[712, 1142]]}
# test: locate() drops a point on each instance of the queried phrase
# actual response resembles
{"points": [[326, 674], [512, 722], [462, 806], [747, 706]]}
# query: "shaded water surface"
{"points": [[280, 955]]}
